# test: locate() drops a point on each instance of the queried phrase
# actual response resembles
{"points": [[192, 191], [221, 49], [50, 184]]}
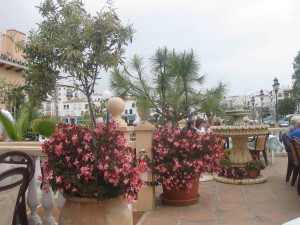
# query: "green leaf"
{"points": [[44, 127], [9, 127]]}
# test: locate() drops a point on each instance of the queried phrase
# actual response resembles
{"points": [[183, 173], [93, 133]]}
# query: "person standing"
{"points": [[199, 124], [190, 125]]}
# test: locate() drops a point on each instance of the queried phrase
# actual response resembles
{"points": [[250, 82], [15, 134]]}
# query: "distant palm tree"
{"points": [[173, 89]]}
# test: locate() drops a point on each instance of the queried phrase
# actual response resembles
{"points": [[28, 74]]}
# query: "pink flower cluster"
{"points": [[181, 156], [92, 163]]}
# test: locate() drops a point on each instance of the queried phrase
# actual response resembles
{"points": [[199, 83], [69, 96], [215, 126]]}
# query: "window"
{"points": [[126, 111], [130, 111], [133, 105], [279, 95], [66, 107]]}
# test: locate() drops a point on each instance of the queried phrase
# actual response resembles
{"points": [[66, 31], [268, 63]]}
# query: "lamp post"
{"points": [[106, 95], [253, 102], [245, 96], [248, 104], [276, 88], [261, 95]]}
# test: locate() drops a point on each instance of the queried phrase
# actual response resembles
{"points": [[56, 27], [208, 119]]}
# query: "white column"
{"points": [[47, 203], [33, 198]]}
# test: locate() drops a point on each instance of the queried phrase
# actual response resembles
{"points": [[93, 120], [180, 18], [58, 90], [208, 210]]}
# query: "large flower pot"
{"points": [[86, 211], [181, 198]]}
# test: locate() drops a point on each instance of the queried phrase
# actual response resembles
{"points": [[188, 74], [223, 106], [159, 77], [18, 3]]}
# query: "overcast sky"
{"points": [[243, 43]]}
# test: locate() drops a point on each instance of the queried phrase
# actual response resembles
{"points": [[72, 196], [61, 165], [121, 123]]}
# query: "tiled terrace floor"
{"points": [[270, 203]]}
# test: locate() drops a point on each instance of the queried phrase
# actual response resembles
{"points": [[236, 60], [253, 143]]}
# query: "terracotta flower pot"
{"points": [[181, 198], [84, 211], [252, 173]]}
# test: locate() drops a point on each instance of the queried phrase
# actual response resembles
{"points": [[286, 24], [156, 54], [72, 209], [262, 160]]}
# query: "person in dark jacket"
{"points": [[190, 125]]}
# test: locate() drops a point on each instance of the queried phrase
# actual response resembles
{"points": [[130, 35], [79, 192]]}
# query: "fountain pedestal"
{"points": [[239, 133], [240, 154]]}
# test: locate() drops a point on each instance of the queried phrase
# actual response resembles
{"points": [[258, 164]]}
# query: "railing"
{"points": [[34, 192], [277, 131]]}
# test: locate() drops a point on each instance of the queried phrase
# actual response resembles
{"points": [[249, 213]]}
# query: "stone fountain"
{"points": [[239, 133]]}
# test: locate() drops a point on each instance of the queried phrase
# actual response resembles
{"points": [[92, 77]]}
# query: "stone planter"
{"points": [[84, 211]]}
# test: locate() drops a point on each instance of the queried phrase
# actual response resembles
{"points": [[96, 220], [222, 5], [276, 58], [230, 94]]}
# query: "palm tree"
{"points": [[172, 89], [16, 130]]}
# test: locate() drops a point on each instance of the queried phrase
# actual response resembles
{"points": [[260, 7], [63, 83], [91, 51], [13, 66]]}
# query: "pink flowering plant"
{"points": [[228, 170], [179, 157], [92, 163]]}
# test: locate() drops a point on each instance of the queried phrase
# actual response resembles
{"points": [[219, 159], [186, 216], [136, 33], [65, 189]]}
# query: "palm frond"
{"points": [[10, 129], [44, 127], [21, 123]]}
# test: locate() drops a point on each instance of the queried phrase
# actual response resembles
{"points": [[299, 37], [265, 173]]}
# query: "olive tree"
{"points": [[172, 85], [72, 43]]}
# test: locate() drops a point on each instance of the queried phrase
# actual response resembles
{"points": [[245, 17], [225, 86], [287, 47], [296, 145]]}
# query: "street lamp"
{"points": [[245, 96], [276, 88], [253, 102], [106, 95], [261, 95]]}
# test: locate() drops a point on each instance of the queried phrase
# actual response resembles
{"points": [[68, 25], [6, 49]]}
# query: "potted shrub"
{"points": [[253, 168], [89, 165], [143, 105], [92, 166], [179, 159]]}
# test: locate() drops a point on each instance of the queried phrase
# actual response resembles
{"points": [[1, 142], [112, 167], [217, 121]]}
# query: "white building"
{"points": [[257, 101], [63, 92], [70, 105], [130, 113]]}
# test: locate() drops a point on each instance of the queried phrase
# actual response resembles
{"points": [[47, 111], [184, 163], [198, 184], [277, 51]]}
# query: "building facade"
{"points": [[12, 62]]}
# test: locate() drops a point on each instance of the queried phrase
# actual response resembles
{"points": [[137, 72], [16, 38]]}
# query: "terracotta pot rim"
{"points": [[176, 202]]}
